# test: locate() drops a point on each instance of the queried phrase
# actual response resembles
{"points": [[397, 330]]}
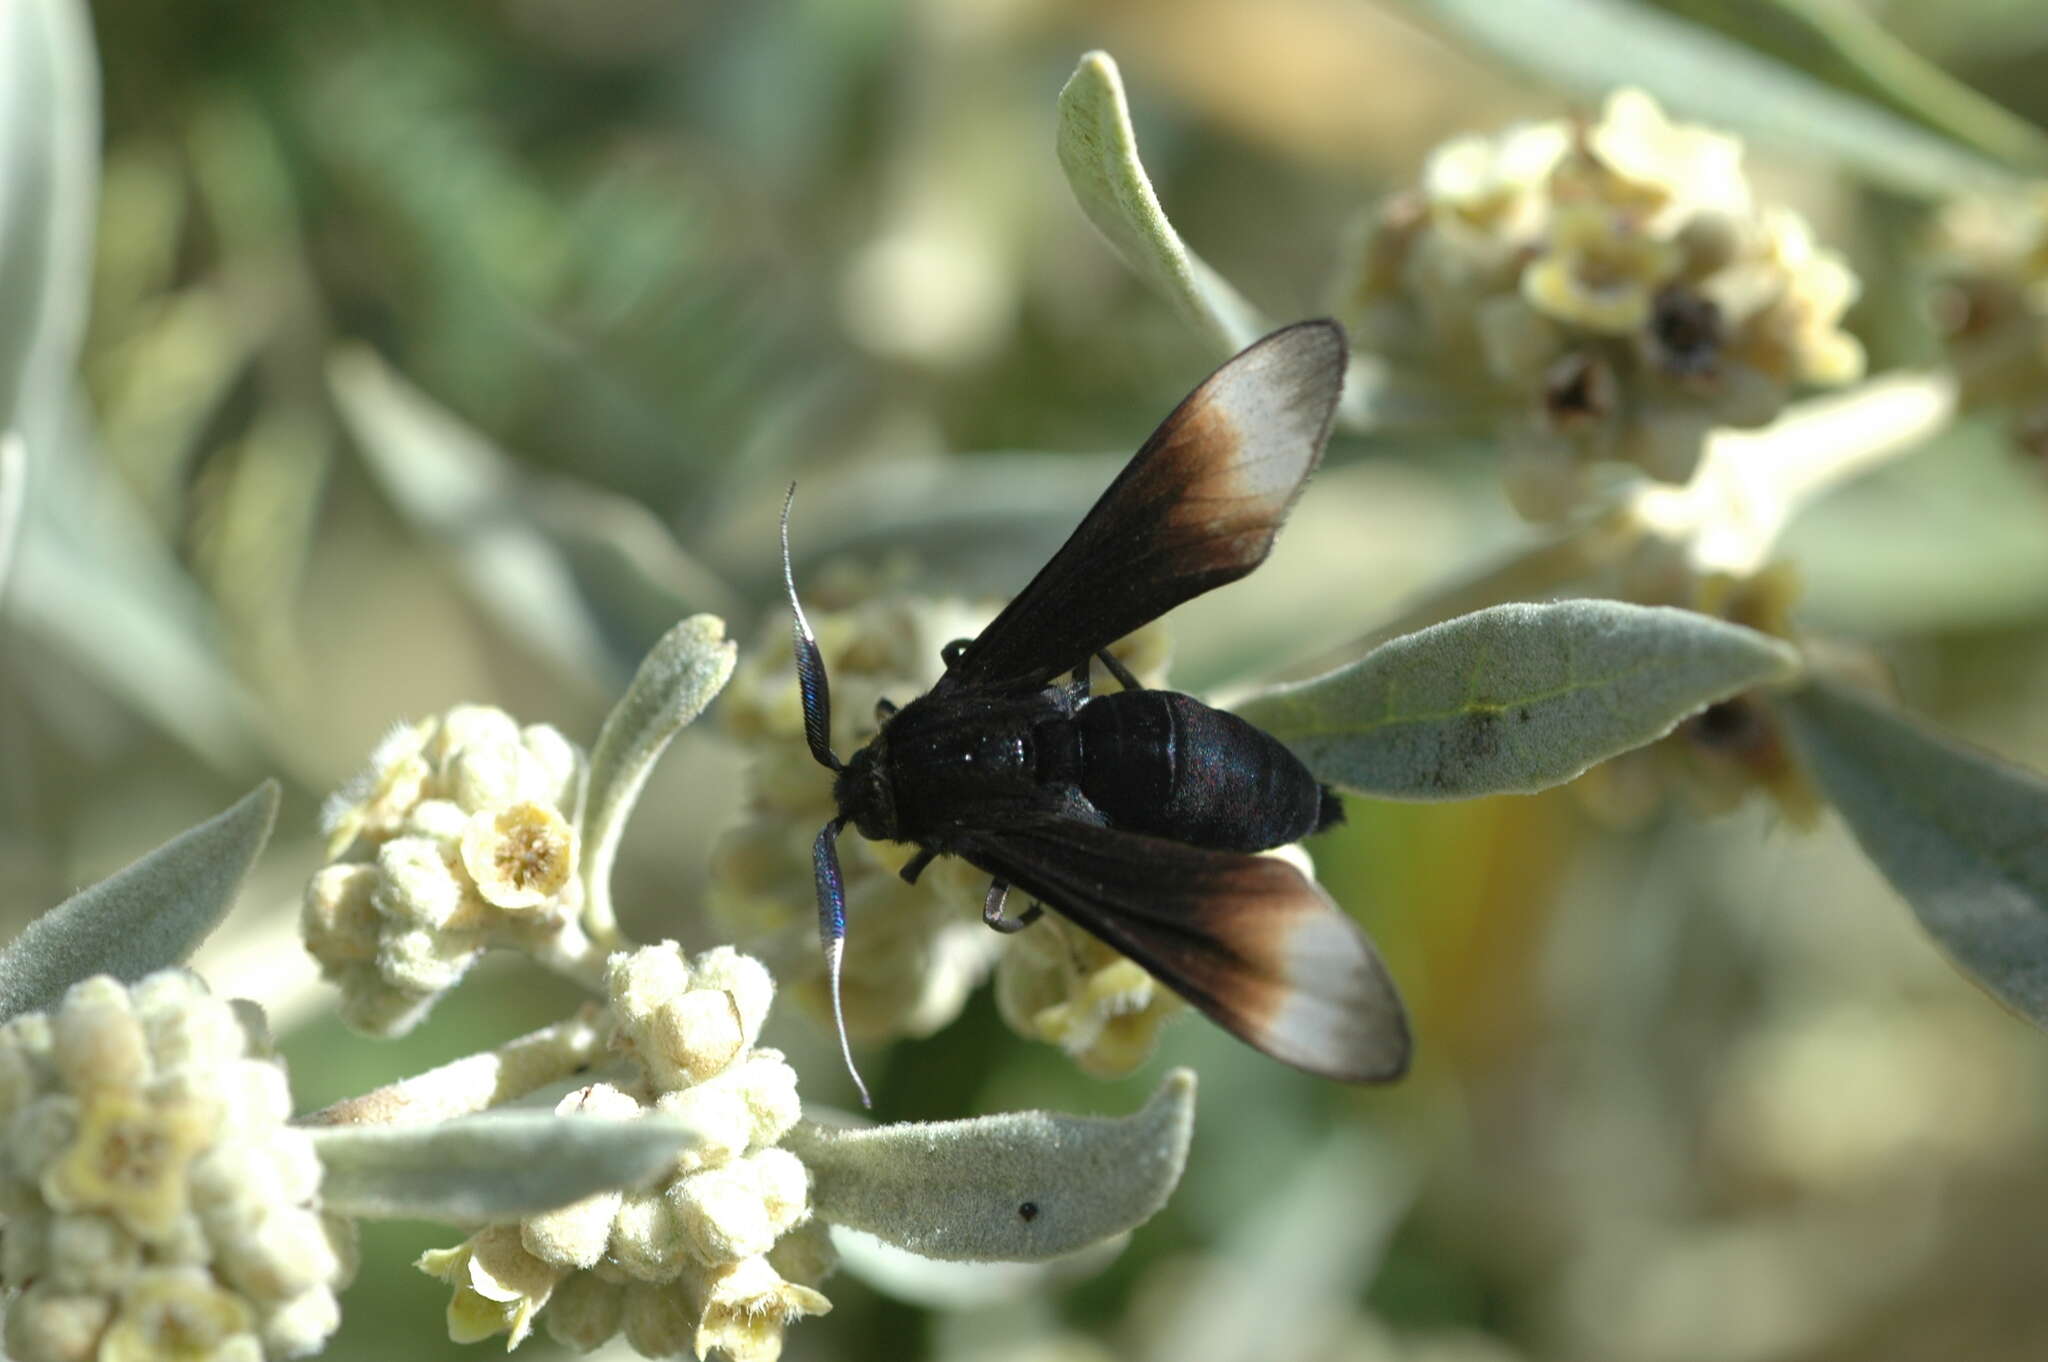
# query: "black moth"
{"points": [[1133, 814]]}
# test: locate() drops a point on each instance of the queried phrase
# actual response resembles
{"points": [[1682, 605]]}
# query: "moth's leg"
{"points": [[884, 708], [951, 652], [992, 910], [1119, 671], [914, 867]]}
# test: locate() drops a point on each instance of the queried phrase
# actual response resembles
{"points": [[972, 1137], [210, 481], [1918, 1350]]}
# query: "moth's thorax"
{"points": [[947, 758], [864, 793]]}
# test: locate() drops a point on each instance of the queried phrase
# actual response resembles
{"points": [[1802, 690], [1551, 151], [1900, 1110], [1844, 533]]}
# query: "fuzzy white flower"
{"points": [[683, 1265], [1605, 290], [157, 1203], [460, 835]]}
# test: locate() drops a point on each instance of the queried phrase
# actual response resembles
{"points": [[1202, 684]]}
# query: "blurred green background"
{"points": [[1687, 1088]]}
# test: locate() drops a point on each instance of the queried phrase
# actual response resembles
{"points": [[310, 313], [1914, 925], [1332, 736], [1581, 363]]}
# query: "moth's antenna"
{"points": [[810, 666], [832, 933]]}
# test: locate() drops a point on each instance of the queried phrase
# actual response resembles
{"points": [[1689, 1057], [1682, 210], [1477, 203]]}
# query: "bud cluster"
{"points": [[1991, 303], [718, 1256], [1605, 290], [153, 1202], [460, 835]]}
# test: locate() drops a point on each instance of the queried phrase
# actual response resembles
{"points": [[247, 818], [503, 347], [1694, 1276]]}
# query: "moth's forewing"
{"points": [[1249, 940], [1197, 506]]}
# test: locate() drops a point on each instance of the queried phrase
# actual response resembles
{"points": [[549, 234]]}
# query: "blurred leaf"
{"points": [[145, 918], [49, 172], [1020, 1187], [1957, 832], [497, 1166], [93, 578], [462, 492], [1593, 46], [1894, 71], [1099, 151], [13, 475], [1321, 1228], [1956, 540], [1514, 699], [681, 675]]}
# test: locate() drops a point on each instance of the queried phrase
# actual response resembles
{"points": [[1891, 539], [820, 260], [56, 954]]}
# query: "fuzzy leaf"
{"points": [[1099, 151], [1514, 699], [1592, 46], [460, 489], [1957, 832], [145, 918], [681, 675], [49, 174], [1020, 1187], [491, 1167], [13, 476]]}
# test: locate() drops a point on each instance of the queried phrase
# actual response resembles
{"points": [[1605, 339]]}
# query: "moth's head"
{"points": [[864, 794]]}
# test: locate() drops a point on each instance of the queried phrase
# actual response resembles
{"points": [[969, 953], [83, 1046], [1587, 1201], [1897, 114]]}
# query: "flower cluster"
{"points": [[153, 1202], [1605, 290], [913, 953], [719, 1256], [460, 835], [1991, 304]]}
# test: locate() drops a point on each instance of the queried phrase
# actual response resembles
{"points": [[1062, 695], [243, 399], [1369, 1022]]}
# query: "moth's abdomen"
{"points": [[1163, 763]]}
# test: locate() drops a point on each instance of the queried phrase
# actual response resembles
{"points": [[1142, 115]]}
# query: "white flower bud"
{"points": [[748, 981], [98, 1041], [586, 1311], [647, 1238], [438, 820], [340, 920], [90, 1253], [470, 726], [419, 882], [300, 1326], [561, 761], [45, 1325], [643, 980], [721, 1213], [659, 1322]]}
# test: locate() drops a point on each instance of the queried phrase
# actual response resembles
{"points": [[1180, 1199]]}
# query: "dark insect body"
{"points": [[1132, 814]]}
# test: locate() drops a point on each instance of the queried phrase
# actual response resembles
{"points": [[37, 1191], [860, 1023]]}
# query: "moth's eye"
{"points": [[884, 707], [1028, 1211]]}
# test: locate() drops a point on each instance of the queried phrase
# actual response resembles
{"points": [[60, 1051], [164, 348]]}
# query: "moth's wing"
{"points": [[1247, 939], [1197, 506]]}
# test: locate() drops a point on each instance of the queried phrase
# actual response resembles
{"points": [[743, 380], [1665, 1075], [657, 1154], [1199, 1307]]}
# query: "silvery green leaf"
{"points": [[681, 675], [13, 477], [141, 919], [93, 580], [1021, 1187], [1957, 832], [1593, 46], [940, 1285], [460, 489], [1098, 149], [49, 174], [497, 1166], [1516, 698]]}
